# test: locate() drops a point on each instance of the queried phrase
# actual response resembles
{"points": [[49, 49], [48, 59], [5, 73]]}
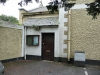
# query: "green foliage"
{"points": [[53, 6], [25, 2], [9, 19], [52, 9], [36, 27], [0, 22], [94, 9]]}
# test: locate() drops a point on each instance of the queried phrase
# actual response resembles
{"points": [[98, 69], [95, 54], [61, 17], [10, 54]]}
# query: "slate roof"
{"points": [[41, 21], [40, 9]]}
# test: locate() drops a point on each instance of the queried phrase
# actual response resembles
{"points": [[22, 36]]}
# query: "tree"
{"points": [[52, 7], [3, 1], [10, 19], [20, 3], [93, 8]]}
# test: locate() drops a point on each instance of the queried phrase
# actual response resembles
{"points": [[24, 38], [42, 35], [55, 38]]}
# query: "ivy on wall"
{"points": [[36, 27]]}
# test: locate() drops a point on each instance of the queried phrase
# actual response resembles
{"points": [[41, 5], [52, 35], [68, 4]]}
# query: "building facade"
{"points": [[57, 36], [84, 32], [47, 34]]}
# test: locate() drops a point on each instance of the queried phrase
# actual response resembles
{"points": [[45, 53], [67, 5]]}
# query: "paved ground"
{"points": [[30, 67]]}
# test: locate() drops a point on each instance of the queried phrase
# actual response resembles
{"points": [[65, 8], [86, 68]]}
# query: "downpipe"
{"points": [[69, 23]]}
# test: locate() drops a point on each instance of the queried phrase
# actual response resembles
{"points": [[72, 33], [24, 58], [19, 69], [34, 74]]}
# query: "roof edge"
{"points": [[22, 9]]}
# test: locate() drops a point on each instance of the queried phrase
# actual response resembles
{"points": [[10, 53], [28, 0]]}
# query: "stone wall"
{"points": [[85, 34], [10, 43]]}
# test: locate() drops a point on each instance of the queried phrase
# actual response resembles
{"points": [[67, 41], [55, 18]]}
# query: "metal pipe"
{"points": [[25, 43], [69, 23]]}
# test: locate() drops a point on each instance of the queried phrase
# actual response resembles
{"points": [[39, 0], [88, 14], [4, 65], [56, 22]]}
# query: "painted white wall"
{"points": [[79, 6], [23, 33], [62, 37], [36, 50], [59, 38]]}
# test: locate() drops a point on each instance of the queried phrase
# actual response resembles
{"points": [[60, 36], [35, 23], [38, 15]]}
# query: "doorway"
{"points": [[48, 46]]}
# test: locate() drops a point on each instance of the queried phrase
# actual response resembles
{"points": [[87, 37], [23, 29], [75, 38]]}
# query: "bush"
{"points": [[9, 19]]}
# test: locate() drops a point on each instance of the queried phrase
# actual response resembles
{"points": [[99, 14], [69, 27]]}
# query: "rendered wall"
{"points": [[21, 15], [62, 33], [60, 49], [85, 34], [36, 50], [10, 43]]}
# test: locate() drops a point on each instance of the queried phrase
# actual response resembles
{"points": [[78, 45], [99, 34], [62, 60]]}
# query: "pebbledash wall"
{"points": [[84, 34], [10, 41]]}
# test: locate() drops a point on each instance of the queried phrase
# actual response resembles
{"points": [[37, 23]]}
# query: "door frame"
{"points": [[41, 43]]}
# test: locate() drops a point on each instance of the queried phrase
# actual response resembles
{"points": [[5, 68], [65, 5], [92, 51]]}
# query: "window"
{"points": [[32, 40]]}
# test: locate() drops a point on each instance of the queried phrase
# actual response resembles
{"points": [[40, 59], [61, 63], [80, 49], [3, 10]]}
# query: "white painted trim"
{"points": [[23, 42], [58, 54], [79, 6], [47, 16]]}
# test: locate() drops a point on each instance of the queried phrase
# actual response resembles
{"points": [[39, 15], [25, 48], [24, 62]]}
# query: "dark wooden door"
{"points": [[48, 46]]}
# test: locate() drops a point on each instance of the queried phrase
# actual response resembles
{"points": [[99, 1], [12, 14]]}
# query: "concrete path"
{"points": [[30, 67]]}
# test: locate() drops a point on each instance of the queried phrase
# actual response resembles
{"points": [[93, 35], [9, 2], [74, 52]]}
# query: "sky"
{"points": [[11, 7]]}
